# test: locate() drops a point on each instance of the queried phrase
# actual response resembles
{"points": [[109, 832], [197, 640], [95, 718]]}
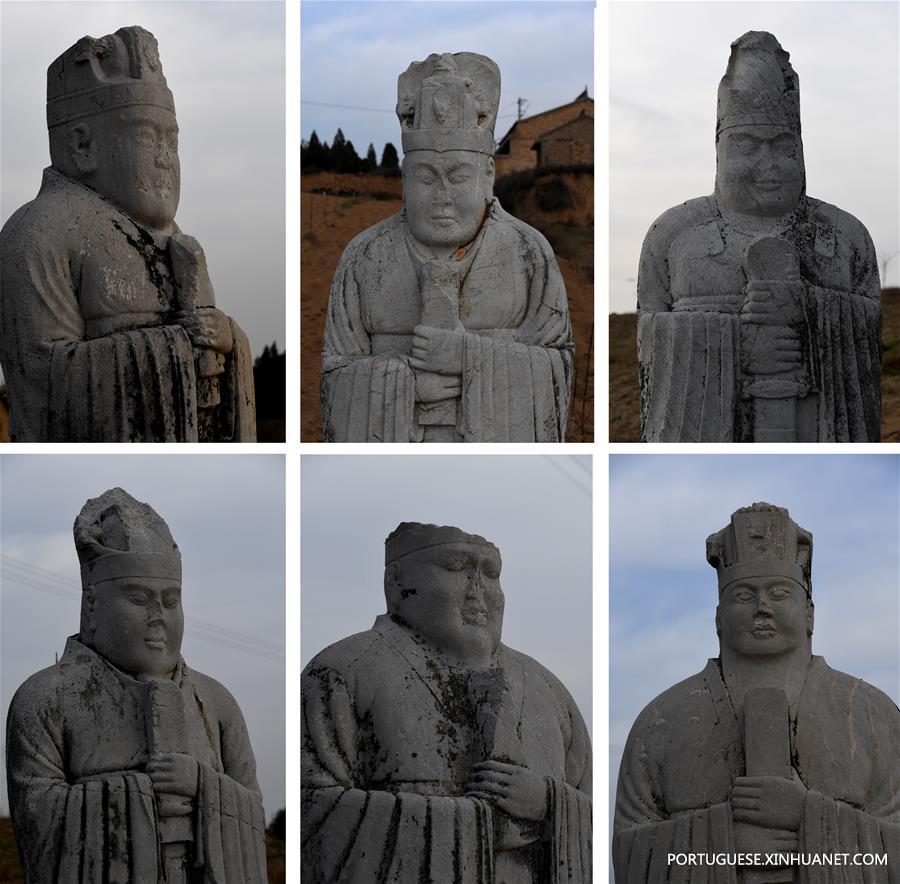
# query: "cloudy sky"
{"points": [[224, 62], [666, 60], [226, 512], [353, 52], [663, 594], [536, 509]]}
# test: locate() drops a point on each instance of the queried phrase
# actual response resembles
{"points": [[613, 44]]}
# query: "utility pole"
{"points": [[520, 102]]}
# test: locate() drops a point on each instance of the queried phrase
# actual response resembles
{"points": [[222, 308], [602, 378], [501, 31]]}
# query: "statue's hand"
{"points": [[771, 350], [772, 802], [208, 328], [437, 349], [772, 302], [172, 773], [517, 791], [432, 387]]}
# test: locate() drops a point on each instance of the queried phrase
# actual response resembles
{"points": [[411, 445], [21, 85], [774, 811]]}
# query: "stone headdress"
{"points": [[759, 87], [449, 102], [409, 537], [118, 536], [761, 541], [96, 75]]}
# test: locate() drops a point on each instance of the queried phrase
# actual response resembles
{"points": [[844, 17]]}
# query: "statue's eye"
{"points": [[459, 177], [170, 601], [744, 595], [779, 592], [744, 143], [784, 144], [138, 598], [491, 573], [424, 178], [454, 565]]}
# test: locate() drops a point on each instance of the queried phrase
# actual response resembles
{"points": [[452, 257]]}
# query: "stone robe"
{"points": [[690, 294], [389, 737], [88, 345], [687, 746], [82, 807], [518, 351]]}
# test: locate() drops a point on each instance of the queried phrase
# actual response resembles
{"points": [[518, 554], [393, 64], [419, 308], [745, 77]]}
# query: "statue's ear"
{"points": [[490, 170], [88, 609], [82, 149], [718, 623], [810, 615], [391, 571]]}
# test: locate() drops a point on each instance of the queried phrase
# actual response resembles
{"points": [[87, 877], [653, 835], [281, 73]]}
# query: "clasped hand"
{"points": [[437, 349], [208, 328], [173, 773], [771, 802], [517, 791]]}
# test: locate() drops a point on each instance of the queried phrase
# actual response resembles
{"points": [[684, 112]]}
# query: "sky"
{"points": [[663, 594], [666, 60], [224, 62], [226, 513], [536, 509], [353, 52]]}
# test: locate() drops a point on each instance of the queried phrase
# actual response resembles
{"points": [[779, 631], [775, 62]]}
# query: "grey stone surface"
{"points": [[110, 331], [123, 764], [447, 322], [431, 751], [768, 749], [759, 311]]}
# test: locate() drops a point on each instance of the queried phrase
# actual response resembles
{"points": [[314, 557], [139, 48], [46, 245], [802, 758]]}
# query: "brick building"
{"points": [[560, 136]]}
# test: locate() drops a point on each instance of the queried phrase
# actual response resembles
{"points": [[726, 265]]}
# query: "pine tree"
{"points": [[389, 159]]}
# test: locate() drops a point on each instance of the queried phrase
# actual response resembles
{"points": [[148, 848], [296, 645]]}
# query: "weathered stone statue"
{"points": [[759, 311], [767, 750], [108, 325], [447, 322], [123, 764], [433, 753]]}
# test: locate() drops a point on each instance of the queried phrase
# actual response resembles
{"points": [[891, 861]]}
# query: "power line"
{"points": [[55, 584], [583, 488], [374, 110]]}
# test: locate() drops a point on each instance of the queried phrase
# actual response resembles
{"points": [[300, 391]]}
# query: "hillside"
{"points": [[334, 208], [624, 398]]}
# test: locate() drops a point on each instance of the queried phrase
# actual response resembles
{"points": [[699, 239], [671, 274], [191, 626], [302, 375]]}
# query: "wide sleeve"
{"points": [[365, 397], [570, 808], [517, 383], [645, 833], [230, 824], [354, 833], [101, 829]]}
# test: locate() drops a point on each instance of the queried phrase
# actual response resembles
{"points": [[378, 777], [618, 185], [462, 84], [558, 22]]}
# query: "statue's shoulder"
{"points": [[820, 212], [347, 656], [842, 688], [678, 220], [62, 211], [53, 687], [506, 226], [384, 236], [675, 702]]}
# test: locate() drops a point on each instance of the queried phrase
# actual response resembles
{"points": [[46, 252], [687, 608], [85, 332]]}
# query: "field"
{"points": [[624, 399]]}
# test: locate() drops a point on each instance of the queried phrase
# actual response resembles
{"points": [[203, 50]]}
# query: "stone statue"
{"points": [[433, 753], [447, 322], [767, 750], [123, 764], [759, 313], [108, 325]]}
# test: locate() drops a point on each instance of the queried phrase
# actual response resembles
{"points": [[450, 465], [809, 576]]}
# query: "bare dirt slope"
{"points": [[334, 208], [624, 397]]}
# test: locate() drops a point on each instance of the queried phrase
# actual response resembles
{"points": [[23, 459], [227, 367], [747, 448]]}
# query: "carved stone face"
{"points": [[137, 163], [450, 595], [763, 616], [137, 624], [446, 194], [759, 170]]}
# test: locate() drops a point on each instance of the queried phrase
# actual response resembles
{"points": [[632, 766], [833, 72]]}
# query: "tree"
{"points": [[371, 161], [312, 153], [389, 159]]}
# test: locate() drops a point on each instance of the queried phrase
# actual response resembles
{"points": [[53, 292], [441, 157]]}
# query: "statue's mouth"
{"points": [[763, 628], [475, 616], [155, 641], [769, 186]]}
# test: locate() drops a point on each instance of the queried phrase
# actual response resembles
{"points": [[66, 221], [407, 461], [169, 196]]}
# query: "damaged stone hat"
{"points": [[449, 102], [409, 537], [117, 536]]}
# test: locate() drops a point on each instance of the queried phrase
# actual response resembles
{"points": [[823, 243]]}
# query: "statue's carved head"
{"points": [[763, 559], [112, 124], [444, 584], [759, 152], [131, 585], [447, 107]]}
